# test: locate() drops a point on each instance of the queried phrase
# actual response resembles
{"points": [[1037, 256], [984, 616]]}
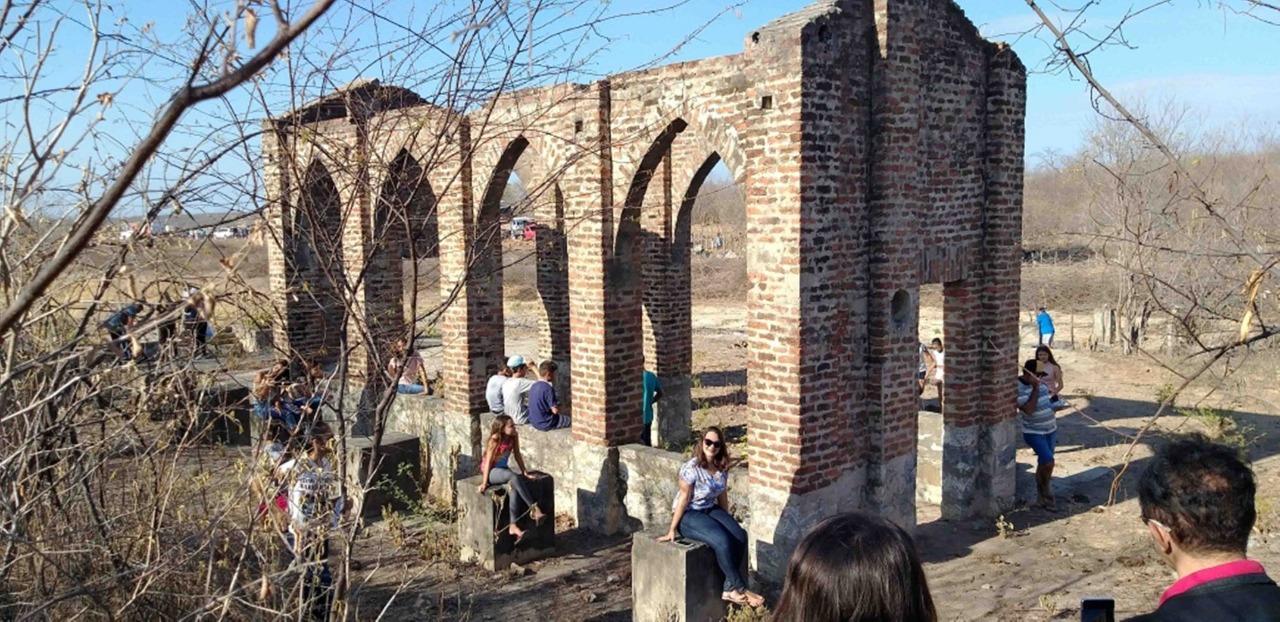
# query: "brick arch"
{"points": [[682, 228], [404, 210], [314, 270]]}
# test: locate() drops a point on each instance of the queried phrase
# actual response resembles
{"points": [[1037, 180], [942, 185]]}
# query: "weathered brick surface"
{"points": [[880, 147]]}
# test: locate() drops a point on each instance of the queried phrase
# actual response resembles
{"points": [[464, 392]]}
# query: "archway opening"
{"points": [[522, 224], [315, 274], [709, 279], [406, 239]]}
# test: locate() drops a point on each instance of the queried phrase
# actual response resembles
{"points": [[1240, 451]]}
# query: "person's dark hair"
{"points": [[1030, 365], [276, 431], [722, 457], [548, 367], [1203, 492], [855, 567], [1040, 309], [936, 340]]}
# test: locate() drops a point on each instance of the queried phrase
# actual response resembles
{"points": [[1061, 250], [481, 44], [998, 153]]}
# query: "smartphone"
{"points": [[1097, 610]]}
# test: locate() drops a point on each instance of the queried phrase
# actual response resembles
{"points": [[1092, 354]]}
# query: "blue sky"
{"points": [[1225, 67]]}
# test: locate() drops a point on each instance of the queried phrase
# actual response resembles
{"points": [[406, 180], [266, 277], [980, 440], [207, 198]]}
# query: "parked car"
{"points": [[223, 233], [518, 226]]}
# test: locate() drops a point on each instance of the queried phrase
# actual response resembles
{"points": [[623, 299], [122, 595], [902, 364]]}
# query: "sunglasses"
{"points": [[710, 443]]}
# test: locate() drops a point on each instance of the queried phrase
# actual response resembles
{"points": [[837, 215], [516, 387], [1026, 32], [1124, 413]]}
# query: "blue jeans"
{"points": [[1043, 445], [410, 389], [717, 529]]}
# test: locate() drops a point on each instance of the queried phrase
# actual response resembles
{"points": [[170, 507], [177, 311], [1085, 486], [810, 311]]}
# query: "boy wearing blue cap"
{"points": [[515, 391]]}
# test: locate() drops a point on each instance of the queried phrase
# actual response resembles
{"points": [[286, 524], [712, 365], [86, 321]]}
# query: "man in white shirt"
{"points": [[515, 391], [493, 390]]}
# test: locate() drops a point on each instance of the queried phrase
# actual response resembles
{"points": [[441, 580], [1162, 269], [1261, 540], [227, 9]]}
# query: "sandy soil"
{"points": [[1037, 567]]}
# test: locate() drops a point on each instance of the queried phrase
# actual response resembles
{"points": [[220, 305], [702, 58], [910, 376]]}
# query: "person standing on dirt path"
{"points": [[936, 374], [1197, 501], [1040, 431], [315, 506], [650, 394], [1044, 324], [493, 390]]}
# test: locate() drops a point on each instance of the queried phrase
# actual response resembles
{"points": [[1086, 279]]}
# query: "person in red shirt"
{"points": [[1197, 500]]}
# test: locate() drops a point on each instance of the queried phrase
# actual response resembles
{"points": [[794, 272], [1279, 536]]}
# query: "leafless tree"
{"points": [[114, 503], [1198, 246]]}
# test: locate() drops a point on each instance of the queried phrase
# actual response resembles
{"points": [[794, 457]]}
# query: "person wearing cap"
{"points": [[493, 390], [515, 391], [117, 327]]}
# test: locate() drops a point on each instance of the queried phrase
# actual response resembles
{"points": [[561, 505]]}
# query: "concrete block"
{"points": [[674, 581], [649, 477], [393, 480], [673, 414], [483, 521]]}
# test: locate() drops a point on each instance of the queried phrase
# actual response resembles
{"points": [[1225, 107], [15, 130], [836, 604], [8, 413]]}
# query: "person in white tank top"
{"points": [[939, 360]]}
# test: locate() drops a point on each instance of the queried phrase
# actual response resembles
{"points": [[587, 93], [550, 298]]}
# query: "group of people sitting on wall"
{"points": [[1196, 502], [292, 398], [121, 325]]}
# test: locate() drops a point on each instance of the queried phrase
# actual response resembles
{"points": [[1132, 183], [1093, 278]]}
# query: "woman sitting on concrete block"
{"points": [[503, 445], [701, 513]]}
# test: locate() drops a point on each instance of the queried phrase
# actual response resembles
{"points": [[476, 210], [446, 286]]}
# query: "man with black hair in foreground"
{"points": [[1197, 503]]}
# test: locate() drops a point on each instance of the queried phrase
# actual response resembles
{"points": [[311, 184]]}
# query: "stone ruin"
{"points": [[880, 145]]}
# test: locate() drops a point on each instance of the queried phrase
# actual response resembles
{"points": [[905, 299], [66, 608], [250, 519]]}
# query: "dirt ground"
{"points": [[1036, 566], [1032, 565]]}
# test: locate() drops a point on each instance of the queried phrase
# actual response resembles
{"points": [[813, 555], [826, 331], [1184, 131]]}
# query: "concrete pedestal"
{"points": [[483, 522], [674, 581], [394, 480]]}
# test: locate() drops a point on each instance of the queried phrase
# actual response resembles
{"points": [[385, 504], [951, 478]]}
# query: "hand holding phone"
{"points": [[1097, 610]]}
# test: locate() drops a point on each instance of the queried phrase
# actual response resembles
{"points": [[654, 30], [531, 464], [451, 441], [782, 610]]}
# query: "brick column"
{"points": [[806, 211], [896, 209], [553, 289], [668, 348], [471, 329], [599, 341], [1001, 266], [277, 162]]}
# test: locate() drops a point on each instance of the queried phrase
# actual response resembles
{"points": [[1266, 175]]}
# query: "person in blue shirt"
{"points": [[544, 407], [1045, 324], [651, 393], [117, 327]]}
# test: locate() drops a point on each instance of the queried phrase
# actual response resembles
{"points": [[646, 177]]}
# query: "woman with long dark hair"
{"points": [[1047, 369], [502, 446], [701, 512], [858, 568]]}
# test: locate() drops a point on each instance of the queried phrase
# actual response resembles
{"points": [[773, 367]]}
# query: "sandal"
{"points": [[737, 598]]}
